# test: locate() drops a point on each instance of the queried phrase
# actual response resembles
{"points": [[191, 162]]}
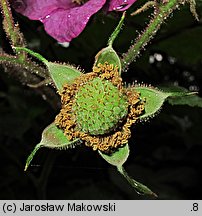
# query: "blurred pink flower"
{"points": [[66, 19]]}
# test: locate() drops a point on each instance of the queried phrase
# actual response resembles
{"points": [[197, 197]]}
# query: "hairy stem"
{"points": [[146, 6], [6, 11], [12, 29], [20, 66], [28, 65], [161, 13], [17, 40], [21, 72]]}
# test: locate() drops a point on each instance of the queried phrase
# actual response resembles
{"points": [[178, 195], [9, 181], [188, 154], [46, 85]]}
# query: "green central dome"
{"points": [[99, 107]]}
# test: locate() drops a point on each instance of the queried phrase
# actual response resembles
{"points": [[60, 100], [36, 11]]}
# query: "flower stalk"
{"points": [[12, 29], [161, 12], [10, 60], [17, 40]]}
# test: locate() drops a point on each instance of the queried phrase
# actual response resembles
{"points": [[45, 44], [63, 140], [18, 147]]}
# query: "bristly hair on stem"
{"points": [[16, 38], [20, 66], [162, 11], [12, 29]]}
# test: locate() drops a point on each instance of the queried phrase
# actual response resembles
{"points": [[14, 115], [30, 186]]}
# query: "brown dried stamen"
{"points": [[106, 142]]}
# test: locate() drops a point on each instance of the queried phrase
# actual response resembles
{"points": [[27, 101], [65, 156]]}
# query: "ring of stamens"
{"points": [[106, 142]]}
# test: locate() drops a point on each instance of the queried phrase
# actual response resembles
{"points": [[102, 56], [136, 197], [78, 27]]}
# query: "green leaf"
{"points": [[109, 55], [154, 100], [60, 73], [181, 96], [54, 138], [118, 157], [190, 100]]}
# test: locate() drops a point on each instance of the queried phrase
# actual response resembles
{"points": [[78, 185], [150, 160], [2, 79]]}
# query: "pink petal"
{"points": [[120, 5], [64, 25], [62, 19], [39, 9]]}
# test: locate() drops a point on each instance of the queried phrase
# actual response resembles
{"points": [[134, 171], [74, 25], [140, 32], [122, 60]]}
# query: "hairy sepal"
{"points": [[53, 138], [154, 99], [109, 55], [60, 73], [118, 158]]}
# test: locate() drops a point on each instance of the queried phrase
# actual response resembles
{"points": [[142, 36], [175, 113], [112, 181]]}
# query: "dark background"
{"points": [[166, 151]]}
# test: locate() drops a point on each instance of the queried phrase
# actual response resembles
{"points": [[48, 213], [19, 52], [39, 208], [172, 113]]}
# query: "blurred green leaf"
{"points": [[190, 100], [186, 98]]}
